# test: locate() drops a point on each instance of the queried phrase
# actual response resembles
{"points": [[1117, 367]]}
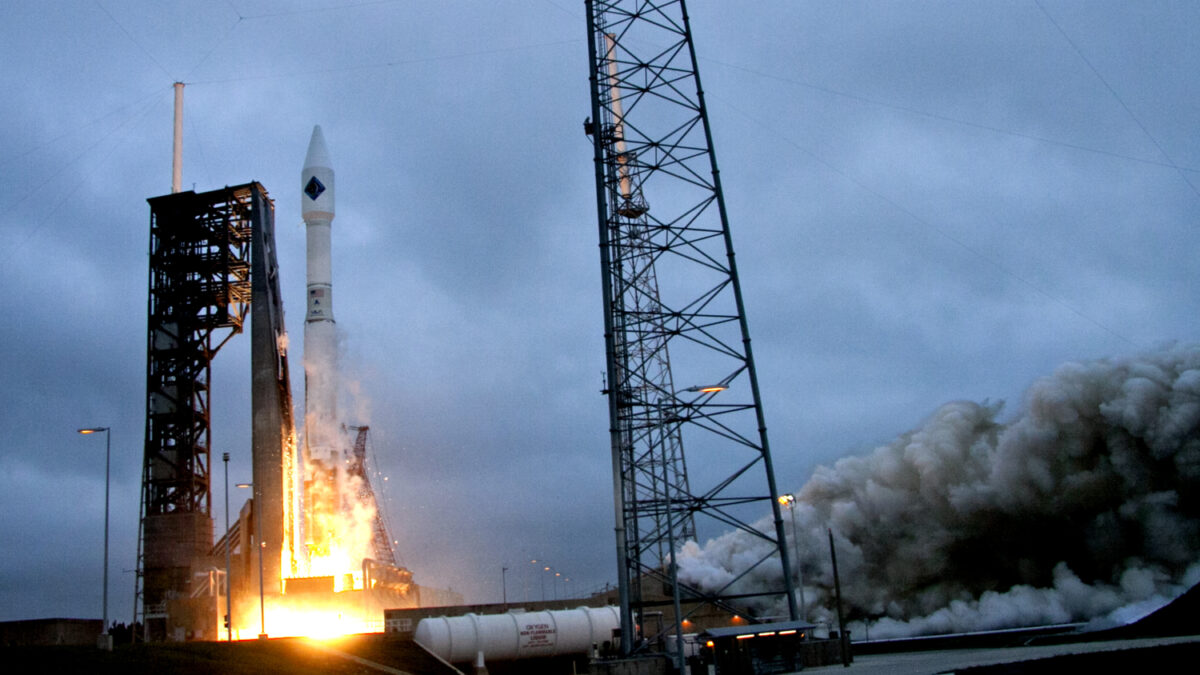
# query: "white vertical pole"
{"points": [[177, 155]]}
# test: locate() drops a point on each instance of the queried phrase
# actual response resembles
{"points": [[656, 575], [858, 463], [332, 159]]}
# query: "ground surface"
{"points": [[356, 655], [373, 654], [1154, 655]]}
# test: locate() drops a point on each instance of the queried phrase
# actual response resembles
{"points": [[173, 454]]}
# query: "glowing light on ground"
{"points": [[317, 616], [320, 624]]}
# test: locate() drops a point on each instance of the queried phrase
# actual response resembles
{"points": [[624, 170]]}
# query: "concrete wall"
{"points": [[46, 632]]}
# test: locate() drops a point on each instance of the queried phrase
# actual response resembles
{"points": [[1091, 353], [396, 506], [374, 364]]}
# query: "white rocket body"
{"points": [[320, 336]]}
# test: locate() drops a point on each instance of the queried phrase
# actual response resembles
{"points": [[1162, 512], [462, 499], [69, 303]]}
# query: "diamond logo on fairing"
{"points": [[314, 188]]}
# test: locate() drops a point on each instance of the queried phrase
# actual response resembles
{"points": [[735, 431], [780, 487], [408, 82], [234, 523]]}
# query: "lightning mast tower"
{"points": [[673, 313]]}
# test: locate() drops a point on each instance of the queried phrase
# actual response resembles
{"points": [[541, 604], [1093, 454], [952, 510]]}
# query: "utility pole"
{"points": [[228, 598], [504, 585]]}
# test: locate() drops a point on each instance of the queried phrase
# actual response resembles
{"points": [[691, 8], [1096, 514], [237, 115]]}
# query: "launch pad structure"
{"points": [[212, 262], [200, 295], [212, 265]]}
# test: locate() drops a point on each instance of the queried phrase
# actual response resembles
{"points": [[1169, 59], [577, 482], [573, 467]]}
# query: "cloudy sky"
{"points": [[929, 201]]}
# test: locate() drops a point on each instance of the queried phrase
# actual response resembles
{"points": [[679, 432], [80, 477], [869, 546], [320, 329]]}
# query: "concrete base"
{"points": [[104, 642]]}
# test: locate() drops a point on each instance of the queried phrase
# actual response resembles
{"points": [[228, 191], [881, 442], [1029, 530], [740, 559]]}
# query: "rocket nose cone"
{"points": [[318, 154], [316, 180]]}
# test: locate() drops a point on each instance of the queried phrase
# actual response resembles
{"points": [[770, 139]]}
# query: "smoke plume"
{"points": [[1082, 508]]}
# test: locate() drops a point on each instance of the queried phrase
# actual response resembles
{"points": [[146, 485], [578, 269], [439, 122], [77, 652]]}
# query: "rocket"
{"points": [[323, 453]]}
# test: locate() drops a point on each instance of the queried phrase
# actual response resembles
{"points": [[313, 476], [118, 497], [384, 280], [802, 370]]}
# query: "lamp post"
{"points": [[104, 641], [790, 502], [228, 598], [262, 611]]}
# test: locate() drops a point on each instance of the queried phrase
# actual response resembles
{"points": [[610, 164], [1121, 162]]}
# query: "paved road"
{"points": [[927, 663]]}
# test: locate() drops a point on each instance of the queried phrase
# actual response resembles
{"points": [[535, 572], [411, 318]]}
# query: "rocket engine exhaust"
{"points": [[1085, 506]]}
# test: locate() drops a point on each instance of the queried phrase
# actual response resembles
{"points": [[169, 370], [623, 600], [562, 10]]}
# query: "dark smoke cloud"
{"points": [[1084, 507]]}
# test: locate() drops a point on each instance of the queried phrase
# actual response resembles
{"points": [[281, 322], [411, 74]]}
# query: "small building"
{"points": [[761, 649]]}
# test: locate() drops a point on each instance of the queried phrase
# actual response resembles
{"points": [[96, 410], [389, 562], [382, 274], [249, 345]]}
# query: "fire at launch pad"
{"points": [[309, 553]]}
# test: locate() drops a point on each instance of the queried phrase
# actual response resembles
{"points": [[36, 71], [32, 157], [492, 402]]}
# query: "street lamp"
{"points": [[789, 501], [262, 611], [104, 641], [541, 576], [228, 598]]}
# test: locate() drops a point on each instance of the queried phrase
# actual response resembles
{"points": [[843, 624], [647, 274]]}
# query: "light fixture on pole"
{"points": [[789, 501], [707, 388], [262, 607], [104, 641]]}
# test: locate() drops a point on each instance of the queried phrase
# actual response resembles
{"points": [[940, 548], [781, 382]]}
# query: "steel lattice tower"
{"points": [[200, 292], [211, 257], [673, 313]]}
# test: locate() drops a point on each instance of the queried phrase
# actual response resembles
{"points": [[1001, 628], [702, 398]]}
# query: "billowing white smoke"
{"points": [[1085, 507]]}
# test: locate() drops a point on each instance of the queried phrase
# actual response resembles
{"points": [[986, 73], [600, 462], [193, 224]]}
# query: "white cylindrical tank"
{"points": [[517, 635]]}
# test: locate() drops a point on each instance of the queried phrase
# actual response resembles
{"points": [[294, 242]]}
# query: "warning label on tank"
{"points": [[538, 636]]}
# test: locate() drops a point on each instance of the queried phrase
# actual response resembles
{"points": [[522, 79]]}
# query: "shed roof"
{"points": [[757, 629]]}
